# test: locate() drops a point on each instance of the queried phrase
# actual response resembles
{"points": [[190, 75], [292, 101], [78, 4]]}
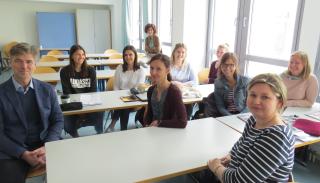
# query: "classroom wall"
{"points": [[24, 28], [310, 30]]}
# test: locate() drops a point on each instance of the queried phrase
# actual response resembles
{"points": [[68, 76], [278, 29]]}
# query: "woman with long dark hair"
{"points": [[78, 77]]}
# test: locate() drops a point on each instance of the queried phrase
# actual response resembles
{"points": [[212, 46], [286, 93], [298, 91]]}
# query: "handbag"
{"points": [[308, 126], [71, 106]]}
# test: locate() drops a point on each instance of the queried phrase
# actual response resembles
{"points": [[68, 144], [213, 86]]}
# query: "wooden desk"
{"points": [[110, 100], [88, 55], [140, 155], [58, 64], [55, 77], [237, 124]]}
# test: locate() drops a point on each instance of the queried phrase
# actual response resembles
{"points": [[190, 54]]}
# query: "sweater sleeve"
{"points": [[146, 45], [268, 153], [175, 104], [65, 80], [156, 44], [93, 78], [311, 94], [149, 115]]}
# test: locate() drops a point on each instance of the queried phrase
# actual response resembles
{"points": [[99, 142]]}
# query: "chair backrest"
{"points": [[109, 51], [44, 70], [141, 55], [203, 75], [7, 47], [115, 56], [55, 52], [48, 58], [110, 84], [36, 172]]}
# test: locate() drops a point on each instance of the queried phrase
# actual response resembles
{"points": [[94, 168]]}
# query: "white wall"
{"points": [[18, 17], [310, 30]]}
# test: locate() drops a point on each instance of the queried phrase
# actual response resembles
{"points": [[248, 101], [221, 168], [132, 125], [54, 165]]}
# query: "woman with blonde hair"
{"points": [[181, 71], [265, 151], [301, 84]]}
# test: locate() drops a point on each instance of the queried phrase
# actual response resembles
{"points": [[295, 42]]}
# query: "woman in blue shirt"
{"points": [[181, 71]]}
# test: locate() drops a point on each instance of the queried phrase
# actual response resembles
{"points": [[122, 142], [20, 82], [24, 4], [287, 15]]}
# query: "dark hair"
{"points": [[152, 26], [226, 56], [23, 48], [165, 60], [84, 66], [136, 66]]}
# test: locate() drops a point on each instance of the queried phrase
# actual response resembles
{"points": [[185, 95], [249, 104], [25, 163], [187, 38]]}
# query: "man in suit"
{"points": [[30, 116]]}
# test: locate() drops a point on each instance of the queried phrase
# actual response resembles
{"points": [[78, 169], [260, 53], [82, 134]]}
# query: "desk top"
{"points": [[237, 124], [110, 100], [55, 77], [89, 62], [88, 55], [140, 155]]}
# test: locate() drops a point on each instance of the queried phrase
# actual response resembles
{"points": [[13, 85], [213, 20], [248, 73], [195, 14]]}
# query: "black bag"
{"points": [[71, 106], [210, 109]]}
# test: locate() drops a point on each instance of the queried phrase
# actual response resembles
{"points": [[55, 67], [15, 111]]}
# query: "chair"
{"points": [[55, 52], [6, 53], [44, 70], [36, 173], [115, 56], [110, 84], [141, 55], [109, 51], [48, 58], [7, 47], [109, 87], [203, 75], [40, 70]]}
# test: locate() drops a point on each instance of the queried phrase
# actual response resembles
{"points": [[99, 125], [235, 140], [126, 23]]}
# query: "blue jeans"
{"points": [[73, 122]]}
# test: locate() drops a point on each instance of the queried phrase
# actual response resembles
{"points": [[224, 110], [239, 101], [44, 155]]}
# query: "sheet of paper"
{"points": [[88, 100]]}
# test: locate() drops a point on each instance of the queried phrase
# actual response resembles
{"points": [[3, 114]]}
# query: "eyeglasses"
{"points": [[227, 66]]}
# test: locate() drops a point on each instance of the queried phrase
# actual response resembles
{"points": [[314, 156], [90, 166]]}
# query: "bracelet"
{"points": [[216, 169]]}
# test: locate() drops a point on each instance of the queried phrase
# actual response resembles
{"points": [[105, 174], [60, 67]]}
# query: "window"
{"points": [[268, 38], [225, 14], [262, 32], [164, 22]]}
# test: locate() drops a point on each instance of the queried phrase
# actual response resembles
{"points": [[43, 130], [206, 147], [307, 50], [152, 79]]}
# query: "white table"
{"points": [[55, 77], [237, 124], [140, 155], [88, 55], [58, 64], [110, 100]]}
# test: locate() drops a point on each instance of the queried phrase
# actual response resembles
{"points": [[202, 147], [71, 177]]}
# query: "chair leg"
{"points": [[109, 114]]}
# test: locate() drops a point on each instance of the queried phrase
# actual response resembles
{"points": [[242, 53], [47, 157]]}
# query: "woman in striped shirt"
{"points": [[265, 152]]}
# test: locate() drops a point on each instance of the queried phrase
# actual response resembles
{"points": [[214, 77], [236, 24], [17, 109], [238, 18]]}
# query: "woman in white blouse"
{"points": [[128, 75]]}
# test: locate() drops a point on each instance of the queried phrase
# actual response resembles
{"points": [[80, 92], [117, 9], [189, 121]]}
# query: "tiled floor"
{"points": [[305, 174]]}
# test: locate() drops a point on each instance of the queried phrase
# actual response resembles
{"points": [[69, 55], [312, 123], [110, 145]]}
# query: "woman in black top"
{"points": [[78, 77]]}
